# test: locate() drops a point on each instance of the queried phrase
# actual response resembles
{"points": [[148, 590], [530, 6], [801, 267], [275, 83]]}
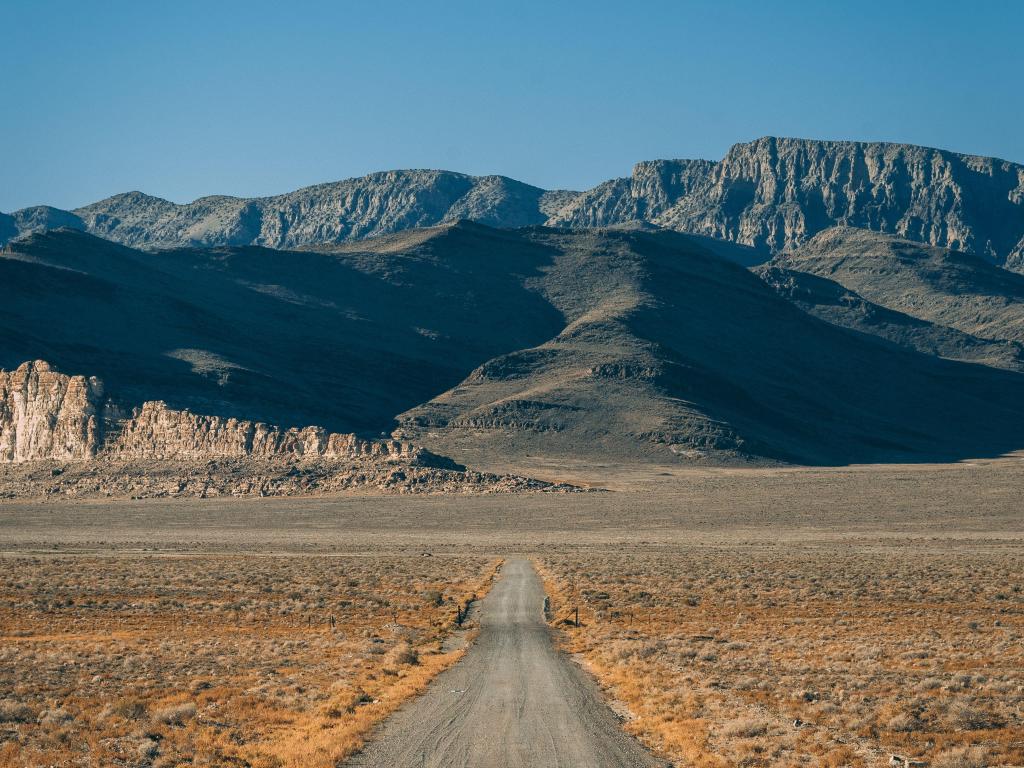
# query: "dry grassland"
{"points": [[217, 660], [826, 655], [879, 606]]}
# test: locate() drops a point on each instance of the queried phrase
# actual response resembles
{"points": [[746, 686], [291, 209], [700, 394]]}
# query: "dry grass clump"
{"points": [[745, 728], [963, 757], [179, 714], [217, 660], [402, 655], [826, 655], [15, 712]]}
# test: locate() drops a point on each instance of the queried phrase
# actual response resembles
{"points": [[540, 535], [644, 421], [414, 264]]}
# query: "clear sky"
{"points": [[183, 99]]}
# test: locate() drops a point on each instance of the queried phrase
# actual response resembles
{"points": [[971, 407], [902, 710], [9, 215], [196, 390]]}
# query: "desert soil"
{"points": [[731, 601]]}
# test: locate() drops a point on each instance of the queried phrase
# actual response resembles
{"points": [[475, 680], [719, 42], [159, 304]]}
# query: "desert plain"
{"points": [[857, 616]]}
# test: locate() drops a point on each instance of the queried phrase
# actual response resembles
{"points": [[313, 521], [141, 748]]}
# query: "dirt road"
{"points": [[513, 701]]}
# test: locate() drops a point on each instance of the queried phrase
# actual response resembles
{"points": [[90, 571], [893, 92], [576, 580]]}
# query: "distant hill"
{"points": [[345, 341], [942, 287], [833, 303], [772, 195], [668, 349], [486, 344]]}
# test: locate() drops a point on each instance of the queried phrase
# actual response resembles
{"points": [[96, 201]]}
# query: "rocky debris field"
{"points": [[249, 477]]}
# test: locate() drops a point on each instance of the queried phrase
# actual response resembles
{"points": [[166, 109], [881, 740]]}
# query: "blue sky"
{"points": [[185, 99]]}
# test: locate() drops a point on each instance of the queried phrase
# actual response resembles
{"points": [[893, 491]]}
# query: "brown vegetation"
{"points": [[217, 660], [829, 655], [720, 606]]}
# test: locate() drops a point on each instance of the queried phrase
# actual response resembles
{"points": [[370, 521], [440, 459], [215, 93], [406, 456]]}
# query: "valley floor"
{"points": [[737, 617]]}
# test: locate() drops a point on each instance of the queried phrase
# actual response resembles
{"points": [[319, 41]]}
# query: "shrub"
{"points": [[54, 717], [905, 722], [130, 709], [401, 655], [147, 748], [15, 712], [745, 728], [968, 717], [962, 757], [178, 714]]}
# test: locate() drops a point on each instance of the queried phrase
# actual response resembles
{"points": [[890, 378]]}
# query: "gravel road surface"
{"points": [[512, 701]]}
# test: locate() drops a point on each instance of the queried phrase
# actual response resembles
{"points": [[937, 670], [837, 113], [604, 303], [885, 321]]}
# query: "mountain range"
{"points": [[771, 195], [797, 302], [492, 345]]}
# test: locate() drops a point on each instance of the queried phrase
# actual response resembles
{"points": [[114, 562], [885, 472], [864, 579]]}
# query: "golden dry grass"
{"points": [[836, 581], [217, 660], [831, 655]]}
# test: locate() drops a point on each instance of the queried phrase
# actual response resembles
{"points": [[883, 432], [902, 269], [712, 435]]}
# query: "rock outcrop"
{"points": [[772, 194], [155, 431], [46, 415], [61, 436]]}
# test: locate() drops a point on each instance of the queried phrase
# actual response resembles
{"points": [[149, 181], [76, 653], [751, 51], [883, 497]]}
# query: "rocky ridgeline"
{"points": [[772, 193], [60, 434], [776, 193], [354, 209]]}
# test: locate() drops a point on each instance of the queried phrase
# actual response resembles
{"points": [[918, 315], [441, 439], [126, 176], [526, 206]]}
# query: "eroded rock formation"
{"points": [[61, 436], [49, 415], [157, 432]]}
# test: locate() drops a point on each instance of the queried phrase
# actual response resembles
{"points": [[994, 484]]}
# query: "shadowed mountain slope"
{"points": [[598, 345], [831, 302], [940, 286], [342, 340], [668, 349]]}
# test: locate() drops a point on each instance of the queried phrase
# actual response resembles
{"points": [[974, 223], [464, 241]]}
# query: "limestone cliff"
{"points": [[779, 192], [649, 193], [46, 415], [60, 437], [155, 431], [776, 193]]}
